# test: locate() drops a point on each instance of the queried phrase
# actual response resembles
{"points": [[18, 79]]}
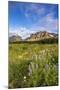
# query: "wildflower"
{"points": [[24, 78]]}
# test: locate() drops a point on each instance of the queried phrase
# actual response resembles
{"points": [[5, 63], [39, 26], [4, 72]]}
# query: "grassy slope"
{"points": [[33, 65]]}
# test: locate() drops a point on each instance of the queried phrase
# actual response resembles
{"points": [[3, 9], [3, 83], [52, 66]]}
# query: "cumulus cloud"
{"points": [[22, 31]]}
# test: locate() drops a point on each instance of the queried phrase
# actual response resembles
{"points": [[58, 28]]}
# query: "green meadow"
{"points": [[33, 65]]}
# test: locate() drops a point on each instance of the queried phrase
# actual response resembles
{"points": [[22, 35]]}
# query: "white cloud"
{"points": [[48, 23], [22, 31], [34, 9], [45, 23]]}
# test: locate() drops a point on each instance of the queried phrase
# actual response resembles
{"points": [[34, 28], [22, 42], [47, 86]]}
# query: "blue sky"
{"points": [[26, 18]]}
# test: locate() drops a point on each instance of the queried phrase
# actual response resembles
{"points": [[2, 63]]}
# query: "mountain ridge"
{"points": [[42, 35], [34, 37]]}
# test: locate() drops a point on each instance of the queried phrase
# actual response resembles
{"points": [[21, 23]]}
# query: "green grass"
{"points": [[33, 65]]}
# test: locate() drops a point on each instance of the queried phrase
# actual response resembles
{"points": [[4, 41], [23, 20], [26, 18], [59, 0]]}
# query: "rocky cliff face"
{"points": [[15, 38], [41, 35]]}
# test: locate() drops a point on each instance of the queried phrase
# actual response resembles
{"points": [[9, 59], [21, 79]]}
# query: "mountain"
{"points": [[41, 35], [15, 38]]}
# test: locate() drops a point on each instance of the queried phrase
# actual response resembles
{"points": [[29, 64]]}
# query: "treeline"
{"points": [[49, 40], [43, 41]]}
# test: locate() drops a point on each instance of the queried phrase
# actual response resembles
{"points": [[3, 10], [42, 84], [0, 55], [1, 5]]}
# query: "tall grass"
{"points": [[33, 65]]}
